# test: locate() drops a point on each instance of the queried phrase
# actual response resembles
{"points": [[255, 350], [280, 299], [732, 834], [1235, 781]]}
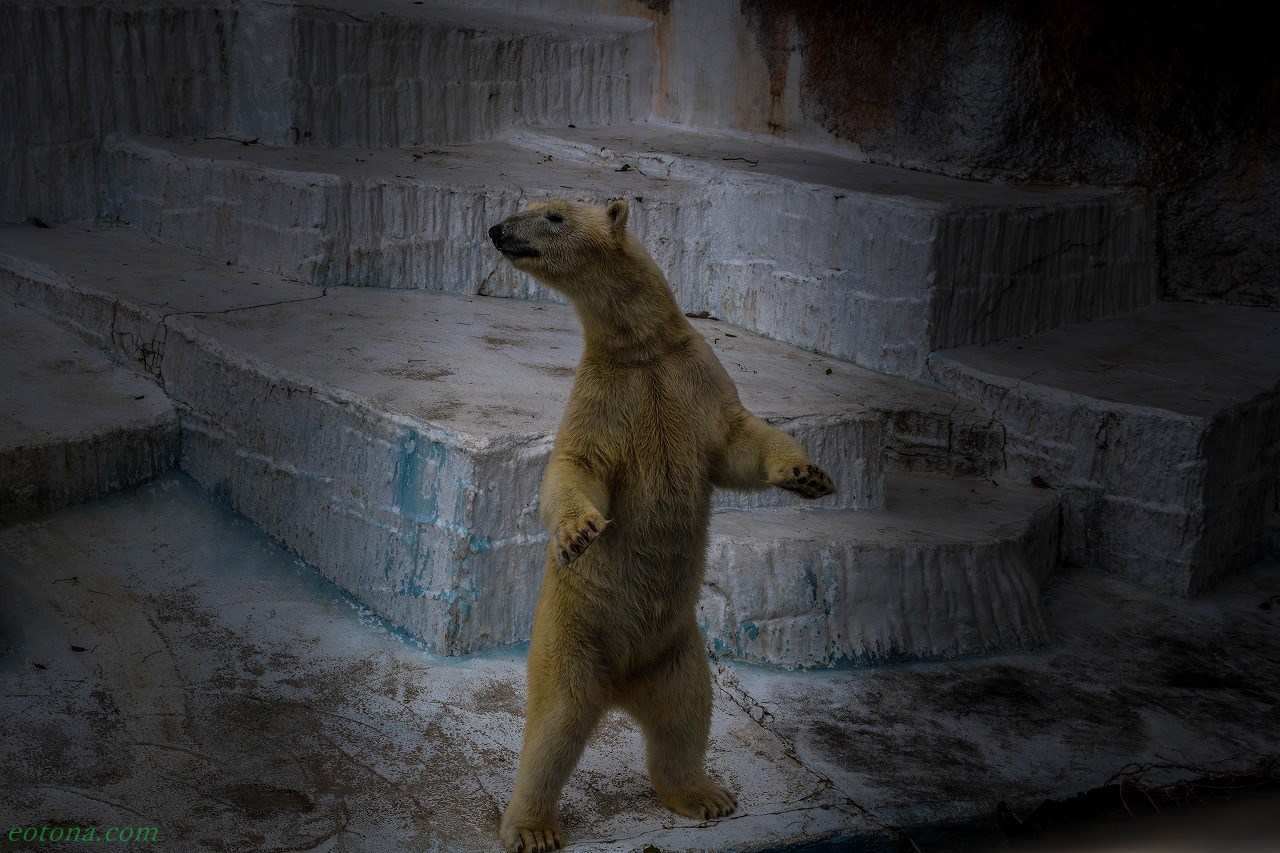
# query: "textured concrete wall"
{"points": [[70, 73]]}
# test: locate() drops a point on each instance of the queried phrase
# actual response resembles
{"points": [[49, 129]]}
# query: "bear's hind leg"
{"points": [[565, 703], [672, 703]]}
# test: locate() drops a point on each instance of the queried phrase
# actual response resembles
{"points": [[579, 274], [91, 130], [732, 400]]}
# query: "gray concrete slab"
{"points": [[1132, 677], [672, 149], [1161, 427], [245, 702], [73, 424], [911, 262], [174, 668]]}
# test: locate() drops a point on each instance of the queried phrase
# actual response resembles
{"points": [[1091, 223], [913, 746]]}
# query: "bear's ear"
{"points": [[617, 213]]}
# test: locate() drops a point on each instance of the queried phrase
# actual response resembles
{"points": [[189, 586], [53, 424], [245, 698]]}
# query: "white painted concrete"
{"points": [[1160, 427], [949, 567], [876, 265], [396, 439], [73, 425]]}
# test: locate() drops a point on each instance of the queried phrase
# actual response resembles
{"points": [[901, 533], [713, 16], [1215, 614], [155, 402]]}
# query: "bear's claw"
{"points": [[810, 482], [576, 535]]}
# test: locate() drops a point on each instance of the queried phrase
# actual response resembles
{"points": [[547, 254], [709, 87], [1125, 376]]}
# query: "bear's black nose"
{"points": [[495, 233]]}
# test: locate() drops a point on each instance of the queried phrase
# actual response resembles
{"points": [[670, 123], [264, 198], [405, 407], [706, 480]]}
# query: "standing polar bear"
{"points": [[653, 423]]}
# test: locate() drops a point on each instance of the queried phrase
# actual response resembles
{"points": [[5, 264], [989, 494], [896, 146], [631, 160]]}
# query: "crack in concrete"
{"points": [[989, 302], [666, 827], [737, 694]]}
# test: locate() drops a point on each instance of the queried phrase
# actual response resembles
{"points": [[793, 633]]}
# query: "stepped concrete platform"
{"points": [[73, 424], [396, 439], [867, 263], [247, 703], [1161, 429], [330, 72], [950, 567]]}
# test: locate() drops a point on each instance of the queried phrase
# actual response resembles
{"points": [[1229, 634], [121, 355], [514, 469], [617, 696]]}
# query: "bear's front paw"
{"points": [[807, 481], [575, 535]]}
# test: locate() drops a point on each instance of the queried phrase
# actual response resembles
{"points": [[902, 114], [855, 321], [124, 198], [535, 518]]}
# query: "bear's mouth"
{"points": [[522, 250]]}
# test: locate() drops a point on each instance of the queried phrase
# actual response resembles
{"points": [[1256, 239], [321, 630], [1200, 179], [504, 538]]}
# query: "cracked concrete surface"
{"points": [[171, 666]]}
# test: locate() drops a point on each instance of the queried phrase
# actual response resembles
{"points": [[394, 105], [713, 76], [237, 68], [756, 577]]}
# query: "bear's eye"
{"points": [[555, 217]]}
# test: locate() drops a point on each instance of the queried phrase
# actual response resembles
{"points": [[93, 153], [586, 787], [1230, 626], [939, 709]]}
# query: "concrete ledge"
{"points": [[74, 425], [396, 439], [950, 567], [879, 266], [1161, 429], [903, 262]]}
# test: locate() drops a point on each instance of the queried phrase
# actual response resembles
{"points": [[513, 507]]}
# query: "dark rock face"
{"points": [[1182, 98]]}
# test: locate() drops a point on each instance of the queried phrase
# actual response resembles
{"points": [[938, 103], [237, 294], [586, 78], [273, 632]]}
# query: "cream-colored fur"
{"points": [[653, 423]]}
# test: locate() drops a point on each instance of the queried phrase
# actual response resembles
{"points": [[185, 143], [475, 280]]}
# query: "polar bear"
{"points": [[653, 423]]}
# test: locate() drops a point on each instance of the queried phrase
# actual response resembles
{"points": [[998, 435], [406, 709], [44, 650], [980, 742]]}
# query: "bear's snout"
{"points": [[512, 245]]}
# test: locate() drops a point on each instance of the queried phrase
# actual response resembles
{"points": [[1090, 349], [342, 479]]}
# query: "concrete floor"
{"points": [[170, 666]]}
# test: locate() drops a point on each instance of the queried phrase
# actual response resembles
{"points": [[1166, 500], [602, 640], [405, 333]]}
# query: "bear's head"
{"points": [[562, 243]]}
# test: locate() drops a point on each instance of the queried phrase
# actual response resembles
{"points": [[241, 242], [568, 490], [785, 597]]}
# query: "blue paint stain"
{"points": [[751, 629], [419, 461], [812, 580]]}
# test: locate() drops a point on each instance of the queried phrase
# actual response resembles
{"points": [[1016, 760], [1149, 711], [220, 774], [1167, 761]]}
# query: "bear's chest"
{"points": [[650, 435]]}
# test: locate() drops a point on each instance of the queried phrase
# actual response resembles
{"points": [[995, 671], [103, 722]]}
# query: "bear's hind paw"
{"points": [[707, 801], [532, 839]]}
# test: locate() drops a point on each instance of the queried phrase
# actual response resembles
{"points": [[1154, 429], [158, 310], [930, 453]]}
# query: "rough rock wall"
{"points": [[1181, 98]]}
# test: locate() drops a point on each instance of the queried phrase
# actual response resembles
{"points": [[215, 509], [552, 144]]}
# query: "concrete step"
{"points": [[867, 263], [330, 72], [1160, 428], [396, 439], [949, 567], [73, 425]]}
